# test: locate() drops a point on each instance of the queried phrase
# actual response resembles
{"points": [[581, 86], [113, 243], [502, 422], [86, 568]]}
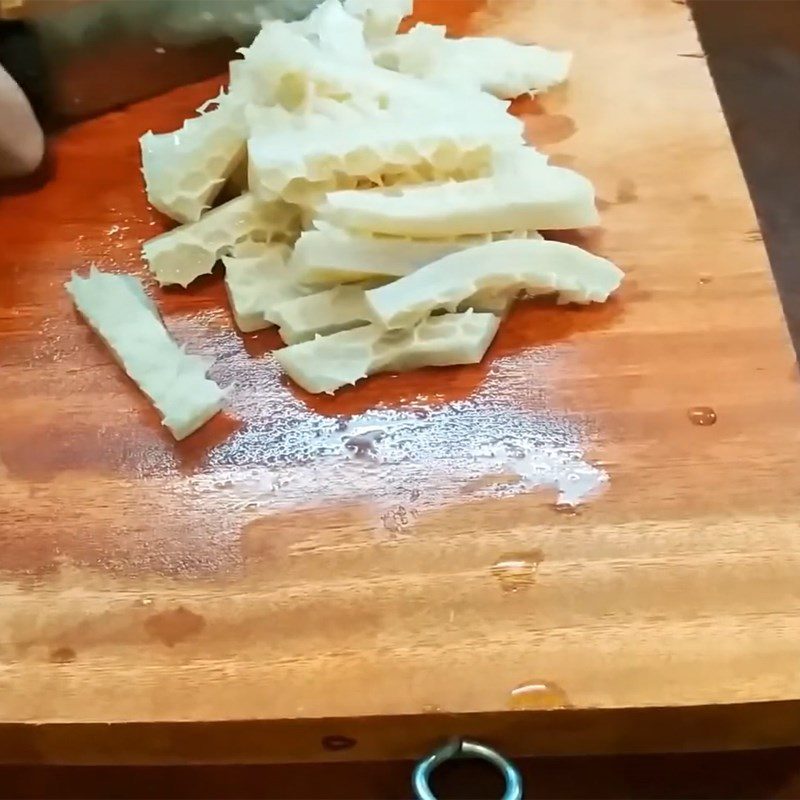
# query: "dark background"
{"points": [[753, 50]]}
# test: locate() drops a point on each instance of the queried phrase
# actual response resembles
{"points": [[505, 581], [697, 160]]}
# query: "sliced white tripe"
{"points": [[184, 253], [331, 255], [257, 280], [336, 32], [504, 68], [537, 196], [380, 17], [317, 149], [120, 312], [536, 266], [185, 170], [322, 313], [284, 68], [327, 363], [346, 306]]}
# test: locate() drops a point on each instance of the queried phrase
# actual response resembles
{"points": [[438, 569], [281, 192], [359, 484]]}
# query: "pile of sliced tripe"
{"points": [[382, 206]]}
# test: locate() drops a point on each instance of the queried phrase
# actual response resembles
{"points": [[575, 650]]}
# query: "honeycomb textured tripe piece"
{"points": [[327, 363], [536, 266], [256, 281], [184, 253], [531, 196], [318, 149], [493, 65], [283, 68], [330, 255], [185, 170], [120, 312]]}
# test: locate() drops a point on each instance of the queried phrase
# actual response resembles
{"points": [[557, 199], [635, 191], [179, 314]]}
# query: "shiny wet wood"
{"points": [[262, 574]]}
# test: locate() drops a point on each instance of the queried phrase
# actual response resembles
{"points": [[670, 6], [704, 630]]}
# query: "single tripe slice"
{"points": [[317, 149], [536, 266], [524, 193], [327, 363], [322, 313], [380, 17], [504, 68], [257, 279], [184, 253], [331, 255], [118, 310], [186, 169]]}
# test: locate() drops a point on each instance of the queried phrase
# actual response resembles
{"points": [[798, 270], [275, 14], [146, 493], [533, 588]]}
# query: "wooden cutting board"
{"points": [[357, 577]]}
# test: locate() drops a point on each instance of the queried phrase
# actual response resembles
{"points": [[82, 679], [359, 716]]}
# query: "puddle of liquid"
{"points": [[174, 626], [702, 416], [517, 571], [538, 695]]}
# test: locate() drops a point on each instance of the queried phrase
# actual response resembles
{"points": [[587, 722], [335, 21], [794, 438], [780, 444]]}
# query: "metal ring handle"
{"points": [[460, 748]]}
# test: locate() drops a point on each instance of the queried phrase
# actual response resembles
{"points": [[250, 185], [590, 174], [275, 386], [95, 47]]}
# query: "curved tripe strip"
{"points": [[327, 363], [534, 196], [118, 310], [185, 170], [258, 281], [184, 253], [333, 255], [539, 267], [504, 68]]}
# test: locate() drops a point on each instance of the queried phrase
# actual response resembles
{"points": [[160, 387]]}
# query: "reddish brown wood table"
{"points": [[260, 592]]}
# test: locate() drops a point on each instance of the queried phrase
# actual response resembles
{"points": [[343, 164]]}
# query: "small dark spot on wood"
{"points": [[626, 191], [563, 160], [754, 236], [692, 55], [63, 655], [175, 625], [337, 743]]}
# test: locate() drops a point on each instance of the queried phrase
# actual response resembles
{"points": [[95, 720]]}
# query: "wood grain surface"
{"points": [[263, 592]]}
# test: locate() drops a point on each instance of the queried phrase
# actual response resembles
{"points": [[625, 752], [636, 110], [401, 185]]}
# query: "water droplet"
{"points": [[567, 509], [396, 520], [538, 695], [702, 415], [336, 743], [431, 709], [517, 571], [63, 655], [362, 445], [704, 279]]}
